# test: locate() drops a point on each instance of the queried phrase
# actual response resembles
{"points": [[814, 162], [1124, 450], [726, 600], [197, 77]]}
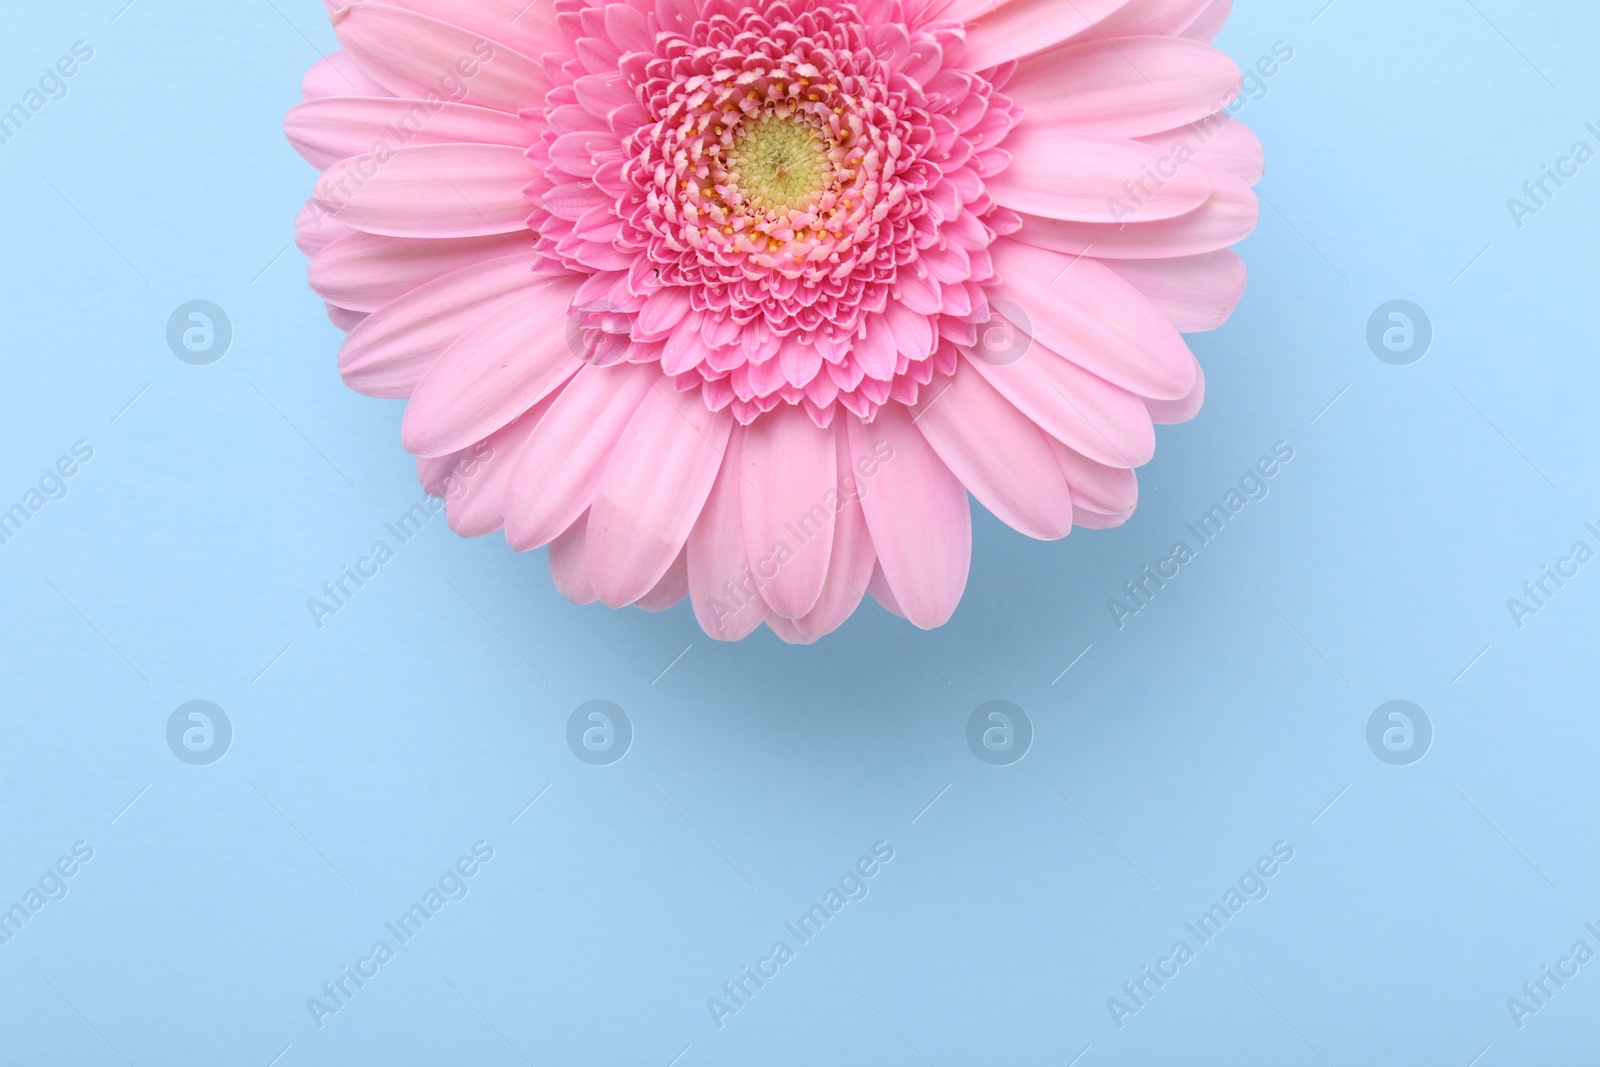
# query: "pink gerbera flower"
{"points": [[739, 299]]}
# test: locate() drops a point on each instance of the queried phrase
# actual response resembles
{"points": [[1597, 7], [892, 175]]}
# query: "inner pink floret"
{"points": [[804, 218]]}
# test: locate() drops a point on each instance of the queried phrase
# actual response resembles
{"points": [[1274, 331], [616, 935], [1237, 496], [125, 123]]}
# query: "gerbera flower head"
{"points": [[739, 300]]}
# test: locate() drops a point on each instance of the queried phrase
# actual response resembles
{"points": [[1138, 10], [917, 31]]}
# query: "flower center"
{"points": [[779, 164]]}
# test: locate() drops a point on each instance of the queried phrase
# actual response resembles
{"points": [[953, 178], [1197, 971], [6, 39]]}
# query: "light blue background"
{"points": [[368, 755]]}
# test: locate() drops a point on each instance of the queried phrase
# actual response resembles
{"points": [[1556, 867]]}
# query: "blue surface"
{"points": [[1227, 717]]}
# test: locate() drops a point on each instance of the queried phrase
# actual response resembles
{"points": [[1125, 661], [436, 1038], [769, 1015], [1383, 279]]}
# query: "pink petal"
{"points": [[1168, 412], [853, 559], [1227, 218], [727, 604], [1021, 27], [788, 631], [1082, 310], [960, 10], [326, 131], [387, 355], [559, 473], [1107, 424], [628, 27], [1219, 142], [1058, 173], [1096, 487], [364, 271], [446, 190], [1196, 293], [336, 74], [998, 454], [918, 514], [1090, 519], [315, 229], [1209, 22], [412, 55], [875, 353], [878, 586], [652, 491], [913, 331], [476, 496], [1126, 87], [344, 318], [493, 373], [672, 588], [569, 562], [433, 472], [791, 485], [1159, 17], [527, 27]]}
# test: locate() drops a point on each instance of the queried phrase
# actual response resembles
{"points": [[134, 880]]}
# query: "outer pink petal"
{"points": [[326, 131], [315, 230], [1196, 293], [1209, 22], [412, 55], [791, 480], [1090, 519], [1108, 424], [1152, 17], [1167, 412], [788, 631], [478, 505], [528, 27], [878, 586], [1227, 218], [726, 602], [1058, 173], [388, 354], [1220, 142], [1125, 88], [853, 559], [654, 486], [919, 516], [1096, 487], [569, 562], [344, 318], [559, 473], [960, 10], [442, 190], [1083, 310], [493, 373], [364, 272], [1021, 27], [337, 74], [672, 588], [999, 455], [434, 473]]}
